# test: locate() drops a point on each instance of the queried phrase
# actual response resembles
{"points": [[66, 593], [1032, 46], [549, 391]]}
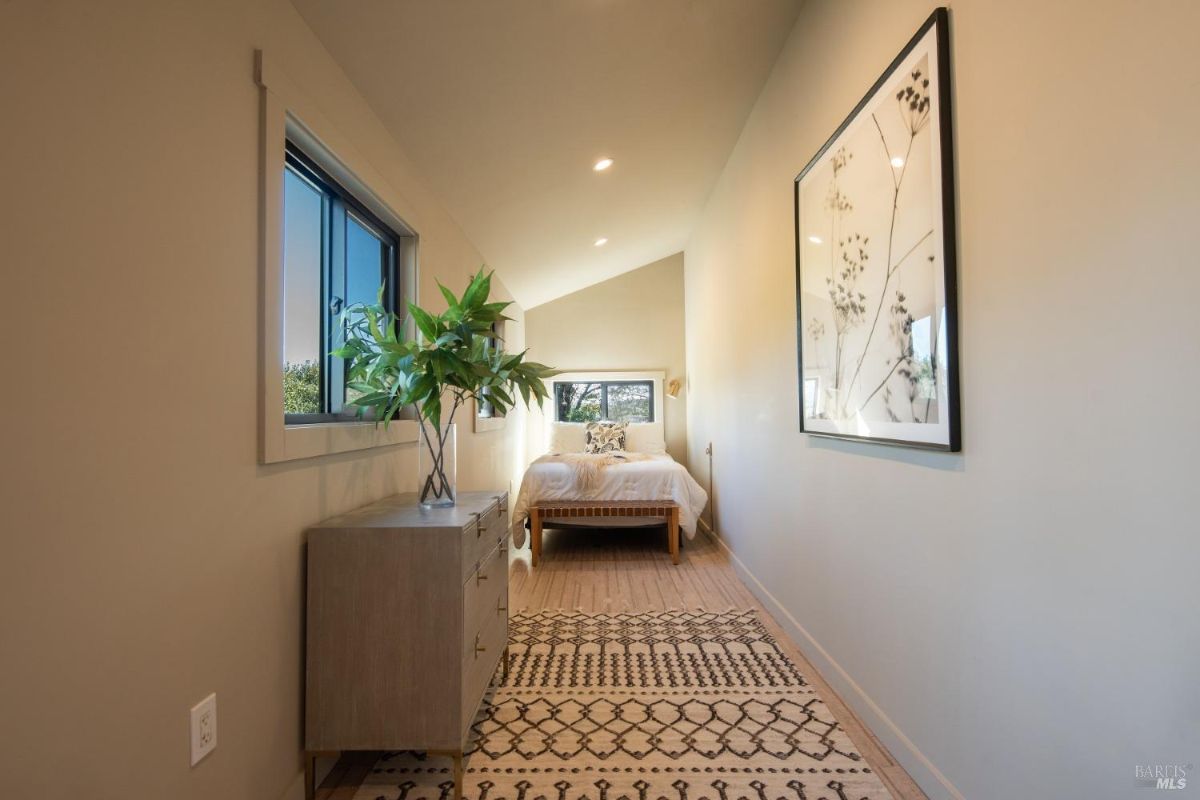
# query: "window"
{"points": [[618, 401], [335, 253], [485, 409], [320, 201]]}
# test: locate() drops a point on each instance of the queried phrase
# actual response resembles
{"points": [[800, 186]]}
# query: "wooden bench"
{"points": [[573, 509]]}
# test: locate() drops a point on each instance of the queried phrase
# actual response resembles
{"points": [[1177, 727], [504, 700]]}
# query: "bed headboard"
{"points": [[657, 377]]}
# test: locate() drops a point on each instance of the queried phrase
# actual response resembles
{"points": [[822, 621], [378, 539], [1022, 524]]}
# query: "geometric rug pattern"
{"points": [[667, 705]]}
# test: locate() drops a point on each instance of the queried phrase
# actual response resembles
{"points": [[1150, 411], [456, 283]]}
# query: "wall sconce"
{"points": [[673, 387]]}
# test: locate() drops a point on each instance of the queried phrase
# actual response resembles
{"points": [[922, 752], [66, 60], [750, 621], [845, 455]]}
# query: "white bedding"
{"points": [[659, 478]]}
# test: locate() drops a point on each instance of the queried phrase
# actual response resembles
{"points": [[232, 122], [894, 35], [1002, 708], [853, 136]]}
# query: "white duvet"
{"points": [[659, 478]]}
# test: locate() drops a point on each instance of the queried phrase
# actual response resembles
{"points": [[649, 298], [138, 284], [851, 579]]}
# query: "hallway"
{"points": [[627, 571]]}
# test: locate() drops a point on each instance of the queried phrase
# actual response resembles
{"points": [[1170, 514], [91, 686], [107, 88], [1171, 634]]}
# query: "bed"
{"points": [[650, 487]]}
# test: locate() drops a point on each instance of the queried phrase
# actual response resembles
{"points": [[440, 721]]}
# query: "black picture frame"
{"points": [[938, 23]]}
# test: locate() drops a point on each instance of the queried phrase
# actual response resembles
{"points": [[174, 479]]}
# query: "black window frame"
{"points": [[604, 385], [337, 206]]}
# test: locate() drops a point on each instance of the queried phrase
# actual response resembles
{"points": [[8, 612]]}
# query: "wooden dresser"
{"points": [[407, 622]]}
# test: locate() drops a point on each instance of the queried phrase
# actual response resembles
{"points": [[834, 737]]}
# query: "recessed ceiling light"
{"points": [[815, 239], [897, 162], [602, 164], [601, 242]]}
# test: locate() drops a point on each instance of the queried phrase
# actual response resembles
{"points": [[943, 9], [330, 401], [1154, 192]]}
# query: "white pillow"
{"points": [[645, 437], [567, 437]]}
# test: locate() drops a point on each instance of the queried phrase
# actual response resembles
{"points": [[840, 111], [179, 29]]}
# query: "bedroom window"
{"points": [[616, 401], [335, 254]]}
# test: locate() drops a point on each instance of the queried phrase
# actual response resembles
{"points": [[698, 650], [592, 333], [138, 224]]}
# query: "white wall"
{"points": [[147, 558], [633, 322], [1025, 612]]}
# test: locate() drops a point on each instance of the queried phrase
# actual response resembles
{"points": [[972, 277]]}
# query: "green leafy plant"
{"points": [[301, 388], [436, 374]]}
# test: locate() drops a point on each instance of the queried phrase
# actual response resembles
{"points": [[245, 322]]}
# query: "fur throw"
{"points": [[587, 467]]}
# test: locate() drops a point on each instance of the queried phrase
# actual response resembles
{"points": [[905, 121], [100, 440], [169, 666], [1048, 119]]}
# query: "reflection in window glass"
{"points": [[365, 265], [922, 356], [302, 355], [810, 397]]}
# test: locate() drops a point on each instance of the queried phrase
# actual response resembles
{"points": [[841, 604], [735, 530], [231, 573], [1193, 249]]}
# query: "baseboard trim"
{"points": [[919, 767]]}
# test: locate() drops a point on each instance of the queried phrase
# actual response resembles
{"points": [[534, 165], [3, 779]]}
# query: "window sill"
{"points": [[327, 438], [489, 424], [483, 424]]}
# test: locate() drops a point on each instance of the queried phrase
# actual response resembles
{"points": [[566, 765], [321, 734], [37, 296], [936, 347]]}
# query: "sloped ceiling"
{"points": [[506, 104]]}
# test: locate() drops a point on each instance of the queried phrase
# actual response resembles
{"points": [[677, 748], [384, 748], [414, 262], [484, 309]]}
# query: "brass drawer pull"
{"points": [[503, 548], [480, 578], [499, 505], [478, 524], [500, 607], [478, 649]]}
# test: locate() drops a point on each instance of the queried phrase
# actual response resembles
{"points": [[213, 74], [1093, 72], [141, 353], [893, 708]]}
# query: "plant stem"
{"points": [[897, 183], [437, 469], [886, 378], [433, 470]]}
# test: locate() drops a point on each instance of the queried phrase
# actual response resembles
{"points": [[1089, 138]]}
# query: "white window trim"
{"points": [[286, 112], [655, 376]]}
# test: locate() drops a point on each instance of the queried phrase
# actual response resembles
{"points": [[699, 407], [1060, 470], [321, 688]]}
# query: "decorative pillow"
{"points": [[567, 437], [645, 437], [605, 437]]}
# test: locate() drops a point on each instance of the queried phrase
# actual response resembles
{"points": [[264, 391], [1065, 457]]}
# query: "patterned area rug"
{"points": [[658, 706]]}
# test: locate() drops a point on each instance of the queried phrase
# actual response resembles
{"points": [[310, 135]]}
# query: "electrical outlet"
{"points": [[204, 728]]}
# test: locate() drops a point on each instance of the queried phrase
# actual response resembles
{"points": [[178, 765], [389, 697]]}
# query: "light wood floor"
{"points": [[630, 570]]}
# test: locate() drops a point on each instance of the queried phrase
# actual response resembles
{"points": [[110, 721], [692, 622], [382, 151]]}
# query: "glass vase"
{"points": [[437, 466]]}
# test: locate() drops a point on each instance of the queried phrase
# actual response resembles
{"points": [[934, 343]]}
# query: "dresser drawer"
{"points": [[485, 592], [485, 649], [485, 625], [480, 536]]}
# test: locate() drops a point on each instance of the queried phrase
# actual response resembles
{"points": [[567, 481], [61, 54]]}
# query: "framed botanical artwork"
{"points": [[875, 261]]}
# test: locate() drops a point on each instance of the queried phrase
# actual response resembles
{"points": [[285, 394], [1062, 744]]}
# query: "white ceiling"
{"points": [[506, 104]]}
